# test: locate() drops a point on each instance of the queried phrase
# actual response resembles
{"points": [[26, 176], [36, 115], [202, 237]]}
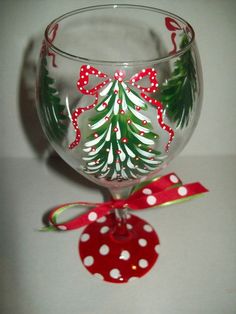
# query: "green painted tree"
{"points": [[178, 93], [120, 146], [51, 109]]}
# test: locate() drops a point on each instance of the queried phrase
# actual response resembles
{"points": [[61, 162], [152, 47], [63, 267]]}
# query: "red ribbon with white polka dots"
{"points": [[86, 71], [165, 190]]}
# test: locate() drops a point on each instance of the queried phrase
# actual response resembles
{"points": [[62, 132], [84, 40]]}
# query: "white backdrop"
{"points": [[22, 23]]}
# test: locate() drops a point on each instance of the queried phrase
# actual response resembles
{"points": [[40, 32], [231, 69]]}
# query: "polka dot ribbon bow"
{"points": [[164, 190], [87, 72]]}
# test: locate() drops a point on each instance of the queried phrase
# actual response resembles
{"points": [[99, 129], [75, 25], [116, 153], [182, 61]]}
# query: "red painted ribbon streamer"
{"points": [[51, 36], [84, 77], [172, 25], [165, 190]]}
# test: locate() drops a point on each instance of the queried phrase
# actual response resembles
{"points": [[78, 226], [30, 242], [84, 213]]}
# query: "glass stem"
{"points": [[121, 231]]}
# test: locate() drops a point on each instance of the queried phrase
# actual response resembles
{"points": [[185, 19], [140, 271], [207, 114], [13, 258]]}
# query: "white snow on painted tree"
{"points": [[120, 146]]}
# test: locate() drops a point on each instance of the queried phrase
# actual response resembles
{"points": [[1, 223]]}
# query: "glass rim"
{"points": [[126, 62]]}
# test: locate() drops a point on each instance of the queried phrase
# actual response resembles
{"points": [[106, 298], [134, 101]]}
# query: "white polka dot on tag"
{"points": [[115, 273], [174, 179], [104, 229], [88, 261], [157, 248], [151, 200], [142, 242], [85, 237], [102, 219], [124, 255], [132, 279], [182, 191], [129, 226], [143, 263], [147, 228], [99, 276], [104, 249], [147, 191], [92, 216]]}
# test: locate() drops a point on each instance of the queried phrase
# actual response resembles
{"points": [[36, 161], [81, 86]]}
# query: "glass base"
{"points": [[117, 257]]}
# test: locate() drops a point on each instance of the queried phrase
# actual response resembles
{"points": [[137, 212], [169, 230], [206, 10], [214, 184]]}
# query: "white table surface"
{"points": [[41, 272]]}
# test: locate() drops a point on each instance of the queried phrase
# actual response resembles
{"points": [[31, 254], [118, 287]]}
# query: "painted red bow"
{"points": [[165, 190], [87, 71]]}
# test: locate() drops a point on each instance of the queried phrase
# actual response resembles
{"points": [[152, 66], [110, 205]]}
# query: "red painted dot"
{"points": [[115, 91], [106, 118], [104, 104], [95, 135], [138, 108], [129, 121], [119, 101], [144, 122], [118, 151], [124, 140], [122, 111], [115, 129], [141, 133]]}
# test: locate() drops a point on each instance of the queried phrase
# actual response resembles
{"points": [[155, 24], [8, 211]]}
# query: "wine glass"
{"points": [[119, 92]]}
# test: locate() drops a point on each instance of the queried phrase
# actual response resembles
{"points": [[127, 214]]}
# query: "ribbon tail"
{"points": [[74, 119], [100, 210], [170, 195], [160, 110], [173, 51]]}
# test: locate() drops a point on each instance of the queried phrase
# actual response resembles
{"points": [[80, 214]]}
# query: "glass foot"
{"points": [[116, 258]]}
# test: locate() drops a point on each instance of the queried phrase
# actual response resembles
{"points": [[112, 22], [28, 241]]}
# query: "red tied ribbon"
{"points": [[165, 190], [173, 26], [86, 71]]}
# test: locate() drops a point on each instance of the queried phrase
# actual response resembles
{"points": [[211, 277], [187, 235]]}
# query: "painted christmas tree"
{"points": [[51, 108], [120, 146], [178, 93]]}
